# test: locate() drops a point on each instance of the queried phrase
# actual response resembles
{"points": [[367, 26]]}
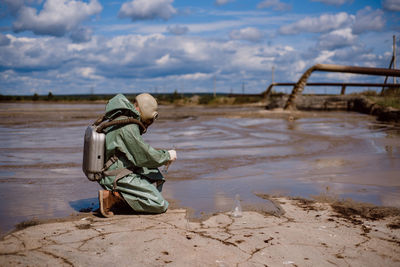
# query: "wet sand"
{"points": [[222, 152]]}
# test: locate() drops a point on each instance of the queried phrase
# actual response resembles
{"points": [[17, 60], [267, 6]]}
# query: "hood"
{"points": [[120, 102]]}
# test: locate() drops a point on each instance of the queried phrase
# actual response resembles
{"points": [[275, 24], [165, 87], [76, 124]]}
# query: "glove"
{"points": [[172, 155]]}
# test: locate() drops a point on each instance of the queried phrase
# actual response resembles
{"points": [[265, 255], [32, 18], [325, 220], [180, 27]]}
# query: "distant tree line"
{"points": [[163, 98], [51, 97]]}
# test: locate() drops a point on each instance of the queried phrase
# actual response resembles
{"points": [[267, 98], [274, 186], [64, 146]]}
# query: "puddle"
{"points": [[221, 152]]}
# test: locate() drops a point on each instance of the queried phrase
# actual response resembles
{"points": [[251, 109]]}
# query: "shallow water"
{"points": [[221, 152]]}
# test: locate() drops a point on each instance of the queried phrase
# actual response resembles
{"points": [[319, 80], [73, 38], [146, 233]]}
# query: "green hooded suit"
{"points": [[133, 152]]}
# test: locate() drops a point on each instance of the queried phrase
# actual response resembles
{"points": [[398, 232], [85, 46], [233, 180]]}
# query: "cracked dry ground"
{"points": [[303, 236]]}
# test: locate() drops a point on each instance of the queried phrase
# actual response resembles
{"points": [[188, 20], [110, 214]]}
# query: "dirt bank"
{"points": [[308, 234]]}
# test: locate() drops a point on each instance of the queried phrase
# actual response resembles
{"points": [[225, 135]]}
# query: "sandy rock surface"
{"points": [[308, 234]]}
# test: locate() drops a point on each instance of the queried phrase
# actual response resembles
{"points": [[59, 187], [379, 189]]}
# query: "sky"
{"points": [[157, 46]]}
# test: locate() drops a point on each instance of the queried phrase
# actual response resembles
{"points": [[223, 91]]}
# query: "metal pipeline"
{"points": [[299, 87]]}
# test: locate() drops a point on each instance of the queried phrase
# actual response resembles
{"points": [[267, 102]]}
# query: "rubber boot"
{"points": [[109, 201]]}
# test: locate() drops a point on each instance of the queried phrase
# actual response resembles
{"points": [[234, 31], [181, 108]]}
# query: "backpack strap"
{"points": [[109, 162], [105, 125], [118, 173]]}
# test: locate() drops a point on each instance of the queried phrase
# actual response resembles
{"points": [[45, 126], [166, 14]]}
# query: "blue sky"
{"points": [[75, 47]]}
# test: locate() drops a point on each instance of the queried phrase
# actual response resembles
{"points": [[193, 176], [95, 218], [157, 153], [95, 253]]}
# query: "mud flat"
{"points": [[223, 151], [309, 233]]}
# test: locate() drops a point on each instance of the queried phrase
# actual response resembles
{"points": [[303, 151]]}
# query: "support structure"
{"points": [[392, 63]]}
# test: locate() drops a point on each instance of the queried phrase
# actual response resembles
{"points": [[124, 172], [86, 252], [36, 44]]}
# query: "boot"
{"points": [[108, 201]]}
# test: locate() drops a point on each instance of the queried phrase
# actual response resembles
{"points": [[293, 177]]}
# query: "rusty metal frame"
{"points": [[299, 86], [342, 85]]}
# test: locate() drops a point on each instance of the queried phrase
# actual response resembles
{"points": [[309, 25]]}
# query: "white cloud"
{"points": [[81, 35], [27, 55], [369, 20], [164, 60], [223, 2], [88, 73], [323, 23], [337, 39], [262, 19], [215, 26], [147, 9], [4, 40], [391, 5], [355, 55], [365, 20], [56, 18], [275, 5], [196, 76], [248, 34], [206, 27], [333, 2], [177, 29]]}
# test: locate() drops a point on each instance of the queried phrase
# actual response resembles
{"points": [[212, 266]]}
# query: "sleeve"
{"points": [[139, 152]]}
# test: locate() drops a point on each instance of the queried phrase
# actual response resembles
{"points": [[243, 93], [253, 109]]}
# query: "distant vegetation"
{"points": [[393, 102], [55, 98], [391, 97], [169, 98]]}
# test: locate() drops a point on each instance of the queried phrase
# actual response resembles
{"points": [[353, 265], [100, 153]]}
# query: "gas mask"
{"points": [[148, 106]]}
